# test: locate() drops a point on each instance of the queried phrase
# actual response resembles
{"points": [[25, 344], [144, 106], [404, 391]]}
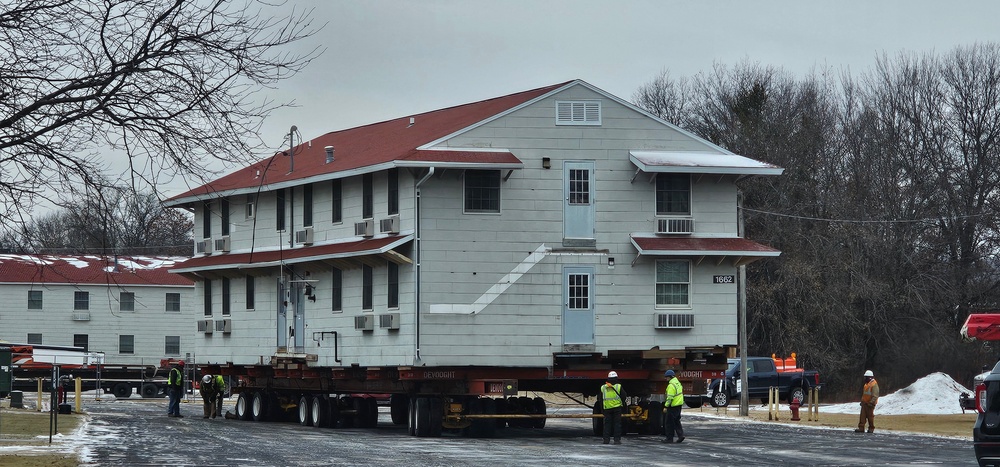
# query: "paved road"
{"points": [[138, 433]]}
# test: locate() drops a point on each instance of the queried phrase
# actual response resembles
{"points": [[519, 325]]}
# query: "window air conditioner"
{"points": [[304, 236], [203, 247], [389, 225], [224, 325], [364, 322], [388, 321], [205, 326], [365, 228], [674, 321], [222, 244], [673, 226]]}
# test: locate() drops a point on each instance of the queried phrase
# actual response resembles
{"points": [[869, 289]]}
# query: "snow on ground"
{"points": [[936, 394]]}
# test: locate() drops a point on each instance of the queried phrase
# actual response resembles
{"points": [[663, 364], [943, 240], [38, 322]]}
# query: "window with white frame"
{"points": [[337, 290], [578, 112], [337, 202], [250, 207], [35, 338], [392, 271], [307, 205], [392, 184], [673, 284], [224, 212], [226, 286], [126, 344], [206, 219], [673, 194], [81, 301], [367, 197], [367, 287], [482, 191], [126, 301], [173, 301], [172, 345], [208, 297], [579, 291], [34, 299], [82, 341], [251, 294]]}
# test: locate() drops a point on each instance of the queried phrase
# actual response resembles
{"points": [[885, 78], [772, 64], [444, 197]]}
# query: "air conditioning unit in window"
{"points": [[674, 321], [304, 236], [206, 326], [365, 228], [388, 321], [81, 316], [364, 322], [224, 325], [675, 226], [222, 244], [389, 225], [203, 247]]}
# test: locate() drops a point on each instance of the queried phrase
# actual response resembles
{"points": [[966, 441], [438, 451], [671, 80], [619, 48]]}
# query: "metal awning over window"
{"points": [[738, 250], [344, 255], [700, 163]]}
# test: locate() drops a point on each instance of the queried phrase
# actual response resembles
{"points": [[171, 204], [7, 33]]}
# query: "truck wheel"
{"points": [[501, 408], [371, 412], [435, 417], [654, 419], [259, 405], [719, 399], [473, 406], [538, 406], [489, 408], [122, 391], [797, 393], [333, 412], [320, 412], [398, 408], [598, 423], [242, 406], [148, 390], [421, 417], [305, 412], [411, 417]]}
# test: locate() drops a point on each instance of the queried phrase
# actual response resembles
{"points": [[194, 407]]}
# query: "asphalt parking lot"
{"points": [[138, 433]]}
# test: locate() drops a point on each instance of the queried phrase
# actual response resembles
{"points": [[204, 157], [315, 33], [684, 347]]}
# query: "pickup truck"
{"points": [[792, 383]]}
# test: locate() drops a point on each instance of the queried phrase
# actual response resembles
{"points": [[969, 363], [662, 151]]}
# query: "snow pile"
{"points": [[936, 393]]}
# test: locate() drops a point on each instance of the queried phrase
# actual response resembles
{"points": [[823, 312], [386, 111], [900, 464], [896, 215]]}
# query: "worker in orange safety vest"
{"points": [[869, 398]]}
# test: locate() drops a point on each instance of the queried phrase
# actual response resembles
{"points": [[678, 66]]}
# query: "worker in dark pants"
{"points": [[672, 408], [613, 400], [175, 388], [208, 395]]}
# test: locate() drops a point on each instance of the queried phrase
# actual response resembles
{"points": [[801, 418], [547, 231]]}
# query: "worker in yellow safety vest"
{"points": [[613, 400], [175, 387], [869, 398], [672, 408]]}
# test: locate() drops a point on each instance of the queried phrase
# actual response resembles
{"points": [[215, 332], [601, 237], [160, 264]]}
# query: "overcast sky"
{"points": [[391, 58]]}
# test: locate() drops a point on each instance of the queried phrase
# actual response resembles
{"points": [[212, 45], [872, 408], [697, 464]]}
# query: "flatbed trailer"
{"points": [[476, 400]]}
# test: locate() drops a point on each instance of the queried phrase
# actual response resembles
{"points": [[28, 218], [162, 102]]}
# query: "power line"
{"points": [[860, 221]]}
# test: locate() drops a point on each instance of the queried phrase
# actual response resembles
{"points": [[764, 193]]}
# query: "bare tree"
{"points": [[173, 84]]}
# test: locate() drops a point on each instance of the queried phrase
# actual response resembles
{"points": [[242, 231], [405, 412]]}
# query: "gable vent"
{"points": [[674, 321], [578, 113], [674, 226]]}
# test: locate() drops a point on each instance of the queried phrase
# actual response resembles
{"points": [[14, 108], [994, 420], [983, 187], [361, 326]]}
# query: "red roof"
{"points": [[379, 143], [311, 253], [679, 246], [91, 270]]}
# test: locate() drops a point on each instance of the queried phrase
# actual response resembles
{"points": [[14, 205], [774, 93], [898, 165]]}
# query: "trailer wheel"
{"points": [[421, 417], [242, 406], [598, 422], [398, 408], [122, 391], [501, 408], [654, 418], [538, 408], [436, 416], [258, 407], [305, 412], [371, 412], [473, 406], [320, 412], [148, 390], [333, 412], [411, 412], [489, 408]]}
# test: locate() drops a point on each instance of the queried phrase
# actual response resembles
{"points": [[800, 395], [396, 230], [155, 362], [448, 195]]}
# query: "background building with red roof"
{"points": [[129, 308], [506, 232]]}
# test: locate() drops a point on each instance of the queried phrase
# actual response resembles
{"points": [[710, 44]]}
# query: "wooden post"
{"points": [[79, 387], [39, 394]]}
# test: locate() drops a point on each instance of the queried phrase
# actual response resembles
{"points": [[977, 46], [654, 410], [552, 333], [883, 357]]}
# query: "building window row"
{"points": [[81, 301]]}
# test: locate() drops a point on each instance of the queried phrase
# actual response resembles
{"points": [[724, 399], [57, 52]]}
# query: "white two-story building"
{"points": [[552, 222], [130, 309]]}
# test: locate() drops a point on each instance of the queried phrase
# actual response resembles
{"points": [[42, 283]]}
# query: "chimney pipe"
{"points": [[329, 154]]}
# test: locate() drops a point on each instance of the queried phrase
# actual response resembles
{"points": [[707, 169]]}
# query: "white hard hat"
{"points": [[206, 379], [613, 375], [869, 373]]}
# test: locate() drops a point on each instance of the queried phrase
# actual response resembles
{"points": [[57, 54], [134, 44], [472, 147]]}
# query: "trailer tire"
{"points": [[473, 406], [260, 407], [399, 408], [122, 391], [501, 408], [149, 390], [489, 408], [305, 411], [411, 417], [436, 416], [370, 419], [243, 406], [320, 412], [538, 408], [654, 418], [598, 423], [421, 417], [333, 412]]}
